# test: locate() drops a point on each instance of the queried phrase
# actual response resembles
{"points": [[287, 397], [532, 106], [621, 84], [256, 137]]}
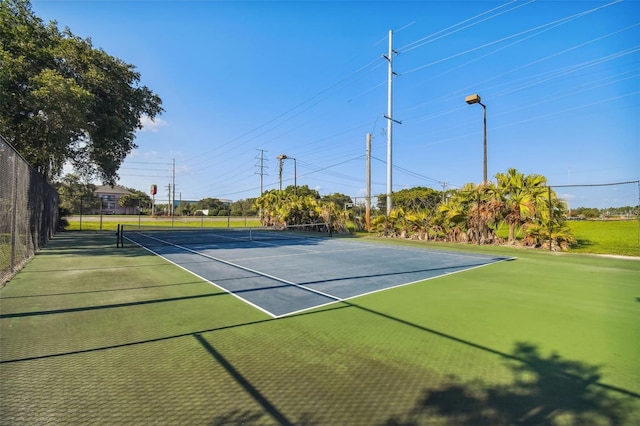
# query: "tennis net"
{"points": [[150, 236]]}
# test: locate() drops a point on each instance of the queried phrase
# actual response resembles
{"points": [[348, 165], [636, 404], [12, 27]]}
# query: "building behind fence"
{"points": [[28, 211]]}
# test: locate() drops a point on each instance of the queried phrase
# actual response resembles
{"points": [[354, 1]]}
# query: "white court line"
{"points": [[306, 253], [395, 286], [273, 277], [271, 314], [330, 296], [364, 246]]}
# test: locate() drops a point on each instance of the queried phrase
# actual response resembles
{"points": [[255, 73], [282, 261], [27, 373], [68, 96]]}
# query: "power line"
{"points": [[412, 173], [491, 43], [594, 184], [431, 38], [315, 96], [283, 114]]}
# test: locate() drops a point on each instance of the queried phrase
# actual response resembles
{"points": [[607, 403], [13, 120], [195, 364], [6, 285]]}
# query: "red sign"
{"points": [[154, 189]]}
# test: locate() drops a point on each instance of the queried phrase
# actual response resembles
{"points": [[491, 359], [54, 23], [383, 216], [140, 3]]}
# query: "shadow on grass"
{"points": [[545, 390], [170, 337], [137, 303], [87, 243], [245, 383], [582, 243]]}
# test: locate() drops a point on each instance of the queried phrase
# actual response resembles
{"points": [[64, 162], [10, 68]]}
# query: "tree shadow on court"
{"points": [[545, 390]]}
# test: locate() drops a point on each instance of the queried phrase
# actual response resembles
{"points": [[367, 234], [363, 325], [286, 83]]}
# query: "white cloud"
{"points": [[567, 196], [149, 125]]}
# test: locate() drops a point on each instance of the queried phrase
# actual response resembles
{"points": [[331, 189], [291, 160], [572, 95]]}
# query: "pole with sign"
{"points": [[154, 191]]}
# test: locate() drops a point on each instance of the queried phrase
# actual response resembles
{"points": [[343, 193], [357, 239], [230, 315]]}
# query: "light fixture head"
{"points": [[473, 99]]}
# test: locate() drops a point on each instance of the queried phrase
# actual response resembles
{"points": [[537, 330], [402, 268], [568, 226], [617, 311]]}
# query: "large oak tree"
{"points": [[62, 100]]}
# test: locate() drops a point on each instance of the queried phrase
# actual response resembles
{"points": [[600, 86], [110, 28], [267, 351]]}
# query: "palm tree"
{"points": [[548, 226], [474, 210], [267, 205], [391, 225], [334, 215], [559, 235], [454, 213], [521, 197], [417, 223]]}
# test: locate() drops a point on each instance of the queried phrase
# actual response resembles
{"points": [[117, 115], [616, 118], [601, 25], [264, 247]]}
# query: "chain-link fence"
{"points": [[28, 211]]}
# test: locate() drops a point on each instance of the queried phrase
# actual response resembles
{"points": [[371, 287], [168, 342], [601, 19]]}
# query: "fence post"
{"points": [[478, 211], [550, 214], [14, 213], [28, 211]]}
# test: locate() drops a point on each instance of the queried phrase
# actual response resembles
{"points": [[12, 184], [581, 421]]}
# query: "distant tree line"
{"points": [[609, 212], [216, 207]]}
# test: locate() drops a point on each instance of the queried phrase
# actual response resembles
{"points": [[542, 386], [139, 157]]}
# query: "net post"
{"points": [[550, 216], [118, 237]]}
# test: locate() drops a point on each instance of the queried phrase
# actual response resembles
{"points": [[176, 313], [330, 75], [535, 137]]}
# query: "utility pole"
{"points": [[390, 120], [173, 185], [280, 160], [169, 198], [368, 173], [262, 167]]}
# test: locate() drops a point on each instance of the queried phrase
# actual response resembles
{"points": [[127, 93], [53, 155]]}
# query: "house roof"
{"points": [[106, 189]]}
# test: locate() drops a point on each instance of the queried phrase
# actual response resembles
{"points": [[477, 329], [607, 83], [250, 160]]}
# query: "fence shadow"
{"points": [[544, 390]]}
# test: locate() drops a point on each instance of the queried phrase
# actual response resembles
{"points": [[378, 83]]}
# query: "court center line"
{"points": [[306, 253], [271, 314], [301, 286], [244, 268]]}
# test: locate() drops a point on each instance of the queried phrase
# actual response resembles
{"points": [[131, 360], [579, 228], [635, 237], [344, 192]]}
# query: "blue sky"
{"points": [[307, 79]]}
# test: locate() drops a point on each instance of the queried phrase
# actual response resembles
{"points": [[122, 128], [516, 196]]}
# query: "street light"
{"points": [[295, 174], [475, 99]]}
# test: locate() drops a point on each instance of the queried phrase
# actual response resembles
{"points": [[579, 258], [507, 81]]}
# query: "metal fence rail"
{"points": [[28, 211]]}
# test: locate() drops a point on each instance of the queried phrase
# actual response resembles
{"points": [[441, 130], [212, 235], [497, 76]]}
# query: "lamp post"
{"points": [[475, 99], [295, 173]]}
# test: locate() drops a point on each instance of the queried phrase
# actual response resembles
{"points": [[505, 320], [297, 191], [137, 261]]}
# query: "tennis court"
{"points": [[286, 274], [94, 334]]}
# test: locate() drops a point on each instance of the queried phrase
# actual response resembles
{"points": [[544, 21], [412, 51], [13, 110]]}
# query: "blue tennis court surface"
{"points": [[290, 276]]}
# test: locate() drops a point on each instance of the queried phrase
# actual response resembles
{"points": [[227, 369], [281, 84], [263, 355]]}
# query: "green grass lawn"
{"points": [[607, 236], [600, 237], [95, 334], [620, 237], [110, 223]]}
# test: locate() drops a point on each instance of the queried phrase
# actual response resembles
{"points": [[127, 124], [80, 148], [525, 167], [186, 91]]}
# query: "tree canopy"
{"points": [[340, 199], [62, 100], [74, 193], [532, 212], [302, 190]]}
